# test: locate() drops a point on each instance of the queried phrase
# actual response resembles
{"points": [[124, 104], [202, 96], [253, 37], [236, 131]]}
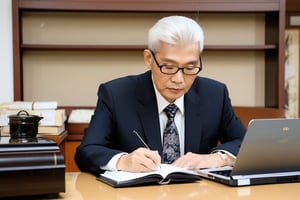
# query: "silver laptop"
{"points": [[270, 153]]}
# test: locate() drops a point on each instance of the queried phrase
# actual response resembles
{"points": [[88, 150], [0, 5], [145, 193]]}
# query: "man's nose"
{"points": [[178, 77]]}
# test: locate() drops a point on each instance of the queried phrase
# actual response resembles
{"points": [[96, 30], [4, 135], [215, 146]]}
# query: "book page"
{"points": [[164, 170]]}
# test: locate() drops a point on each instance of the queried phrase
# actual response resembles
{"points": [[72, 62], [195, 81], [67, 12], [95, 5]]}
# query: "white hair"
{"points": [[175, 30]]}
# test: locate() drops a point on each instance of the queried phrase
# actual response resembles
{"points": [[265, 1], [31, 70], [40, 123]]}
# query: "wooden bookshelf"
{"points": [[273, 48]]}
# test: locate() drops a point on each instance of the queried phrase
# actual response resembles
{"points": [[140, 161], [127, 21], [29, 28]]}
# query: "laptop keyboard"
{"points": [[222, 172]]}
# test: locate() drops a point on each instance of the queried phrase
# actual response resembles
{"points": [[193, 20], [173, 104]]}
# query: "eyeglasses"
{"points": [[171, 69]]}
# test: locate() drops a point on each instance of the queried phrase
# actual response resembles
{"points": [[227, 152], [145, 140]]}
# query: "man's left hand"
{"points": [[198, 161]]}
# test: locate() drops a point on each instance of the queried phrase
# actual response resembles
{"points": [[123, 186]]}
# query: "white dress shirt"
{"points": [[162, 103]]}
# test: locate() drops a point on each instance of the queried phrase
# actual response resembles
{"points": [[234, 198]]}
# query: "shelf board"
{"points": [[240, 47], [152, 6], [54, 47], [65, 47]]}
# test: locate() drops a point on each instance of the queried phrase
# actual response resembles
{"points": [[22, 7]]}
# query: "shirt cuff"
{"points": [[227, 153], [112, 163]]}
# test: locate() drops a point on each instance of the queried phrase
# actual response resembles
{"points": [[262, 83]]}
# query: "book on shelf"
{"points": [[48, 130], [16, 105], [50, 117], [164, 175], [44, 105], [81, 116], [51, 130], [79, 120], [30, 105]]}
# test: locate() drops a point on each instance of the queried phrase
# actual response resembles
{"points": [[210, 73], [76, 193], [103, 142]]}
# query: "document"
{"points": [[165, 175]]}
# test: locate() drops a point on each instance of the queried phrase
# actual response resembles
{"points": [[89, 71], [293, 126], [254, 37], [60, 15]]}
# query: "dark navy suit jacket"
{"points": [[129, 103]]}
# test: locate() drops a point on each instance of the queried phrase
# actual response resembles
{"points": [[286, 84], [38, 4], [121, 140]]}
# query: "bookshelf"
{"points": [[35, 46]]}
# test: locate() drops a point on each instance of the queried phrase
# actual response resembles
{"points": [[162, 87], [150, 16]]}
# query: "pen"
{"points": [[140, 138], [142, 141]]}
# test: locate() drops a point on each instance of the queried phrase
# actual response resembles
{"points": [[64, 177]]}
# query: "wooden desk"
{"points": [[83, 186]]}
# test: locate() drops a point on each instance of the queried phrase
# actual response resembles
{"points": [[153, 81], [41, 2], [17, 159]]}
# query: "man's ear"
{"points": [[147, 58]]}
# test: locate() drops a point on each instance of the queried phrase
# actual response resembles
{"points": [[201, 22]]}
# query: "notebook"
{"points": [[164, 175], [269, 153]]}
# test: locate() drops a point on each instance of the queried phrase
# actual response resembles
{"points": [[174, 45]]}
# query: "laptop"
{"points": [[269, 153]]}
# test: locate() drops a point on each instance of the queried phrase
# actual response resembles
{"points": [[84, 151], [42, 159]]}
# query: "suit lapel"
{"points": [[193, 128], [148, 113]]}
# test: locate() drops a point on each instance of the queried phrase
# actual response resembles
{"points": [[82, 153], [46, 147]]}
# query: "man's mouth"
{"points": [[175, 89]]}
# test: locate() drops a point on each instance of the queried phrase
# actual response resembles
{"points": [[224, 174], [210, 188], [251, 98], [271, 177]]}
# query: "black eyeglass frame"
{"points": [[160, 66]]}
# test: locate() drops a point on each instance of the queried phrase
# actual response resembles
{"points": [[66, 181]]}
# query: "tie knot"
{"points": [[170, 110]]}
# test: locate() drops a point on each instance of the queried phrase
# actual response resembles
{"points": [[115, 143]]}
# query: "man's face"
{"points": [[171, 87]]}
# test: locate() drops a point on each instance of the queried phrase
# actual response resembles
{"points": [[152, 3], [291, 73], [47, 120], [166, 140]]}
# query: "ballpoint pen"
{"points": [[142, 141]]}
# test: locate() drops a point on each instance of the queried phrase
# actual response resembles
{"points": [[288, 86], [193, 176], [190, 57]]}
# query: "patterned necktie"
{"points": [[171, 148]]}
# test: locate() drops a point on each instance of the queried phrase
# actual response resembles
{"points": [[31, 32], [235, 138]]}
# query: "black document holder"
{"points": [[30, 166]]}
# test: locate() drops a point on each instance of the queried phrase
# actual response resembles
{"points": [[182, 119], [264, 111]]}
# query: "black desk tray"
{"points": [[30, 167]]}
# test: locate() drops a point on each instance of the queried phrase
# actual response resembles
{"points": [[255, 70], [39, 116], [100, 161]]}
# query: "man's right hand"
{"points": [[140, 160]]}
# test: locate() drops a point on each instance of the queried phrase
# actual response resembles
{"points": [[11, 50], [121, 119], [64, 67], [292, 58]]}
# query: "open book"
{"points": [[165, 175]]}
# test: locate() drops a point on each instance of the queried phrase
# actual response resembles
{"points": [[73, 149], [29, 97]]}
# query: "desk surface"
{"points": [[83, 186]]}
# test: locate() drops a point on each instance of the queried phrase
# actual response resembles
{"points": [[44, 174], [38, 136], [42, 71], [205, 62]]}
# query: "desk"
{"points": [[83, 186]]}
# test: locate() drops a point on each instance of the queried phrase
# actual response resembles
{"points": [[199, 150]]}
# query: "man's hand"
{"points": [[140, 160], [197, 161]]}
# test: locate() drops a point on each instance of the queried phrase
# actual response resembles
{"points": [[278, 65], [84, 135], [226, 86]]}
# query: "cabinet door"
{"points": [[69, 156]]}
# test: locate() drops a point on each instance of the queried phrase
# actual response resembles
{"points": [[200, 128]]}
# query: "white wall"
{"points": [[6, 60]]}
